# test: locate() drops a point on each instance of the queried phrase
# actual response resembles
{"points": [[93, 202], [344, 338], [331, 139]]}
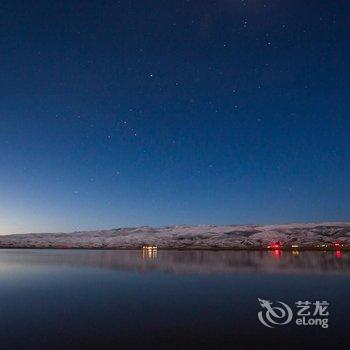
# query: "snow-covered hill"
{"points": [[189, 237]]}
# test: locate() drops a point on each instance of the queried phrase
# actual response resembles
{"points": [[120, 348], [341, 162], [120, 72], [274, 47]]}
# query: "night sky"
{"points": [[128, 113]]}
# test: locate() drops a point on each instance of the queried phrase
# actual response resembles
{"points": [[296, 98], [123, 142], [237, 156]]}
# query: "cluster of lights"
{"points": [[275, 245], [278, 245], [149, 247], [277, 248], [149, 251]]}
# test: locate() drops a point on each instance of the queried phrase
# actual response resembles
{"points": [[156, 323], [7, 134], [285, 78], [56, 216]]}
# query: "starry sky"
{"points": [[128, 113]]}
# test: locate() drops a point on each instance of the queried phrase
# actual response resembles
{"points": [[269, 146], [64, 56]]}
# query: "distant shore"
{"points": [[299, 236], [185, 249]]}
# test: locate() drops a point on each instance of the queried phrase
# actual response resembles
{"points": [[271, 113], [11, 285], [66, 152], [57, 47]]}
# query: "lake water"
{"points": [[95, 299]]}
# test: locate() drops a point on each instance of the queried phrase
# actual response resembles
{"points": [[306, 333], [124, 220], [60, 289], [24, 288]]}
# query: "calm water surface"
{"points": [[94, 299]]}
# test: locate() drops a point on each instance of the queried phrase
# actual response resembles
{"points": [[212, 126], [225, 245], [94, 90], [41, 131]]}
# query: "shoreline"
{"points": [[312, 236], [330, 249]]}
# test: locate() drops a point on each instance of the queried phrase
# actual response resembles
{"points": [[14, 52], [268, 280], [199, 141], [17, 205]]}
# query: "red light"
{"points": [[275, 245], [277, 253], [338, 254]]}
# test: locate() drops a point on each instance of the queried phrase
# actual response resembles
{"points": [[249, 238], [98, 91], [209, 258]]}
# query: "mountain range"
{"points": [[305, 235]]}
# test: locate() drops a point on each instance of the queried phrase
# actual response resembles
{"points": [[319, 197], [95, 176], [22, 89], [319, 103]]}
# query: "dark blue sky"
{"points": [[123, 113]]}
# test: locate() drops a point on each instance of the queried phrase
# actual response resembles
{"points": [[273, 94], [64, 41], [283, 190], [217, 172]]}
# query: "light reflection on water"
{"points": [[185, 262], [105, 299]]}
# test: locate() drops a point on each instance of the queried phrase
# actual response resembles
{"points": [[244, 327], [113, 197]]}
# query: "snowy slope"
{"points": [[188, 237]]}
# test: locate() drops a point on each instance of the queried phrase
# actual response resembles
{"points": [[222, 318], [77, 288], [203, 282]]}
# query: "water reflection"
{"points": [[185, 262], [149, 253], [277, 253]]}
